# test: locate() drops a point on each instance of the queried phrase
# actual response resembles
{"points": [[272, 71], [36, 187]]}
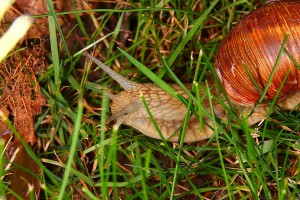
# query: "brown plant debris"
{"points": [[21, 98]]}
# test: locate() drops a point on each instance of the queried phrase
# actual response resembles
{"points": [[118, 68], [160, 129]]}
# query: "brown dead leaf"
{"points": [[25, 175]]}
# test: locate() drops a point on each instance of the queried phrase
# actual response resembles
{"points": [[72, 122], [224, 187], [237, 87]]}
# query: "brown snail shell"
{"points": [[255, 43]]}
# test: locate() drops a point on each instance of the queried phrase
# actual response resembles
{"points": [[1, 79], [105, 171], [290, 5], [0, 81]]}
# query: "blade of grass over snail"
{"points": [[291, 58], [273, 103], [125, 83], [151, 75], [173, 76], [181, 141], [264, 92], [153, 121]]}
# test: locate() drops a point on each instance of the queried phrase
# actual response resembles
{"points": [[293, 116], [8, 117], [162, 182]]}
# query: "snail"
{"points": [[250, 63]]}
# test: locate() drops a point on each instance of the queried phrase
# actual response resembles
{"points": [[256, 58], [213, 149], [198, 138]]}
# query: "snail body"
{"points": [[127, 108], [233, 55]]}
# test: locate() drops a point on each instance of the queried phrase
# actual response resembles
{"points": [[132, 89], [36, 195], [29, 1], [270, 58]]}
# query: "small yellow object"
{"points": [[17, 30], [4, 5]]}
